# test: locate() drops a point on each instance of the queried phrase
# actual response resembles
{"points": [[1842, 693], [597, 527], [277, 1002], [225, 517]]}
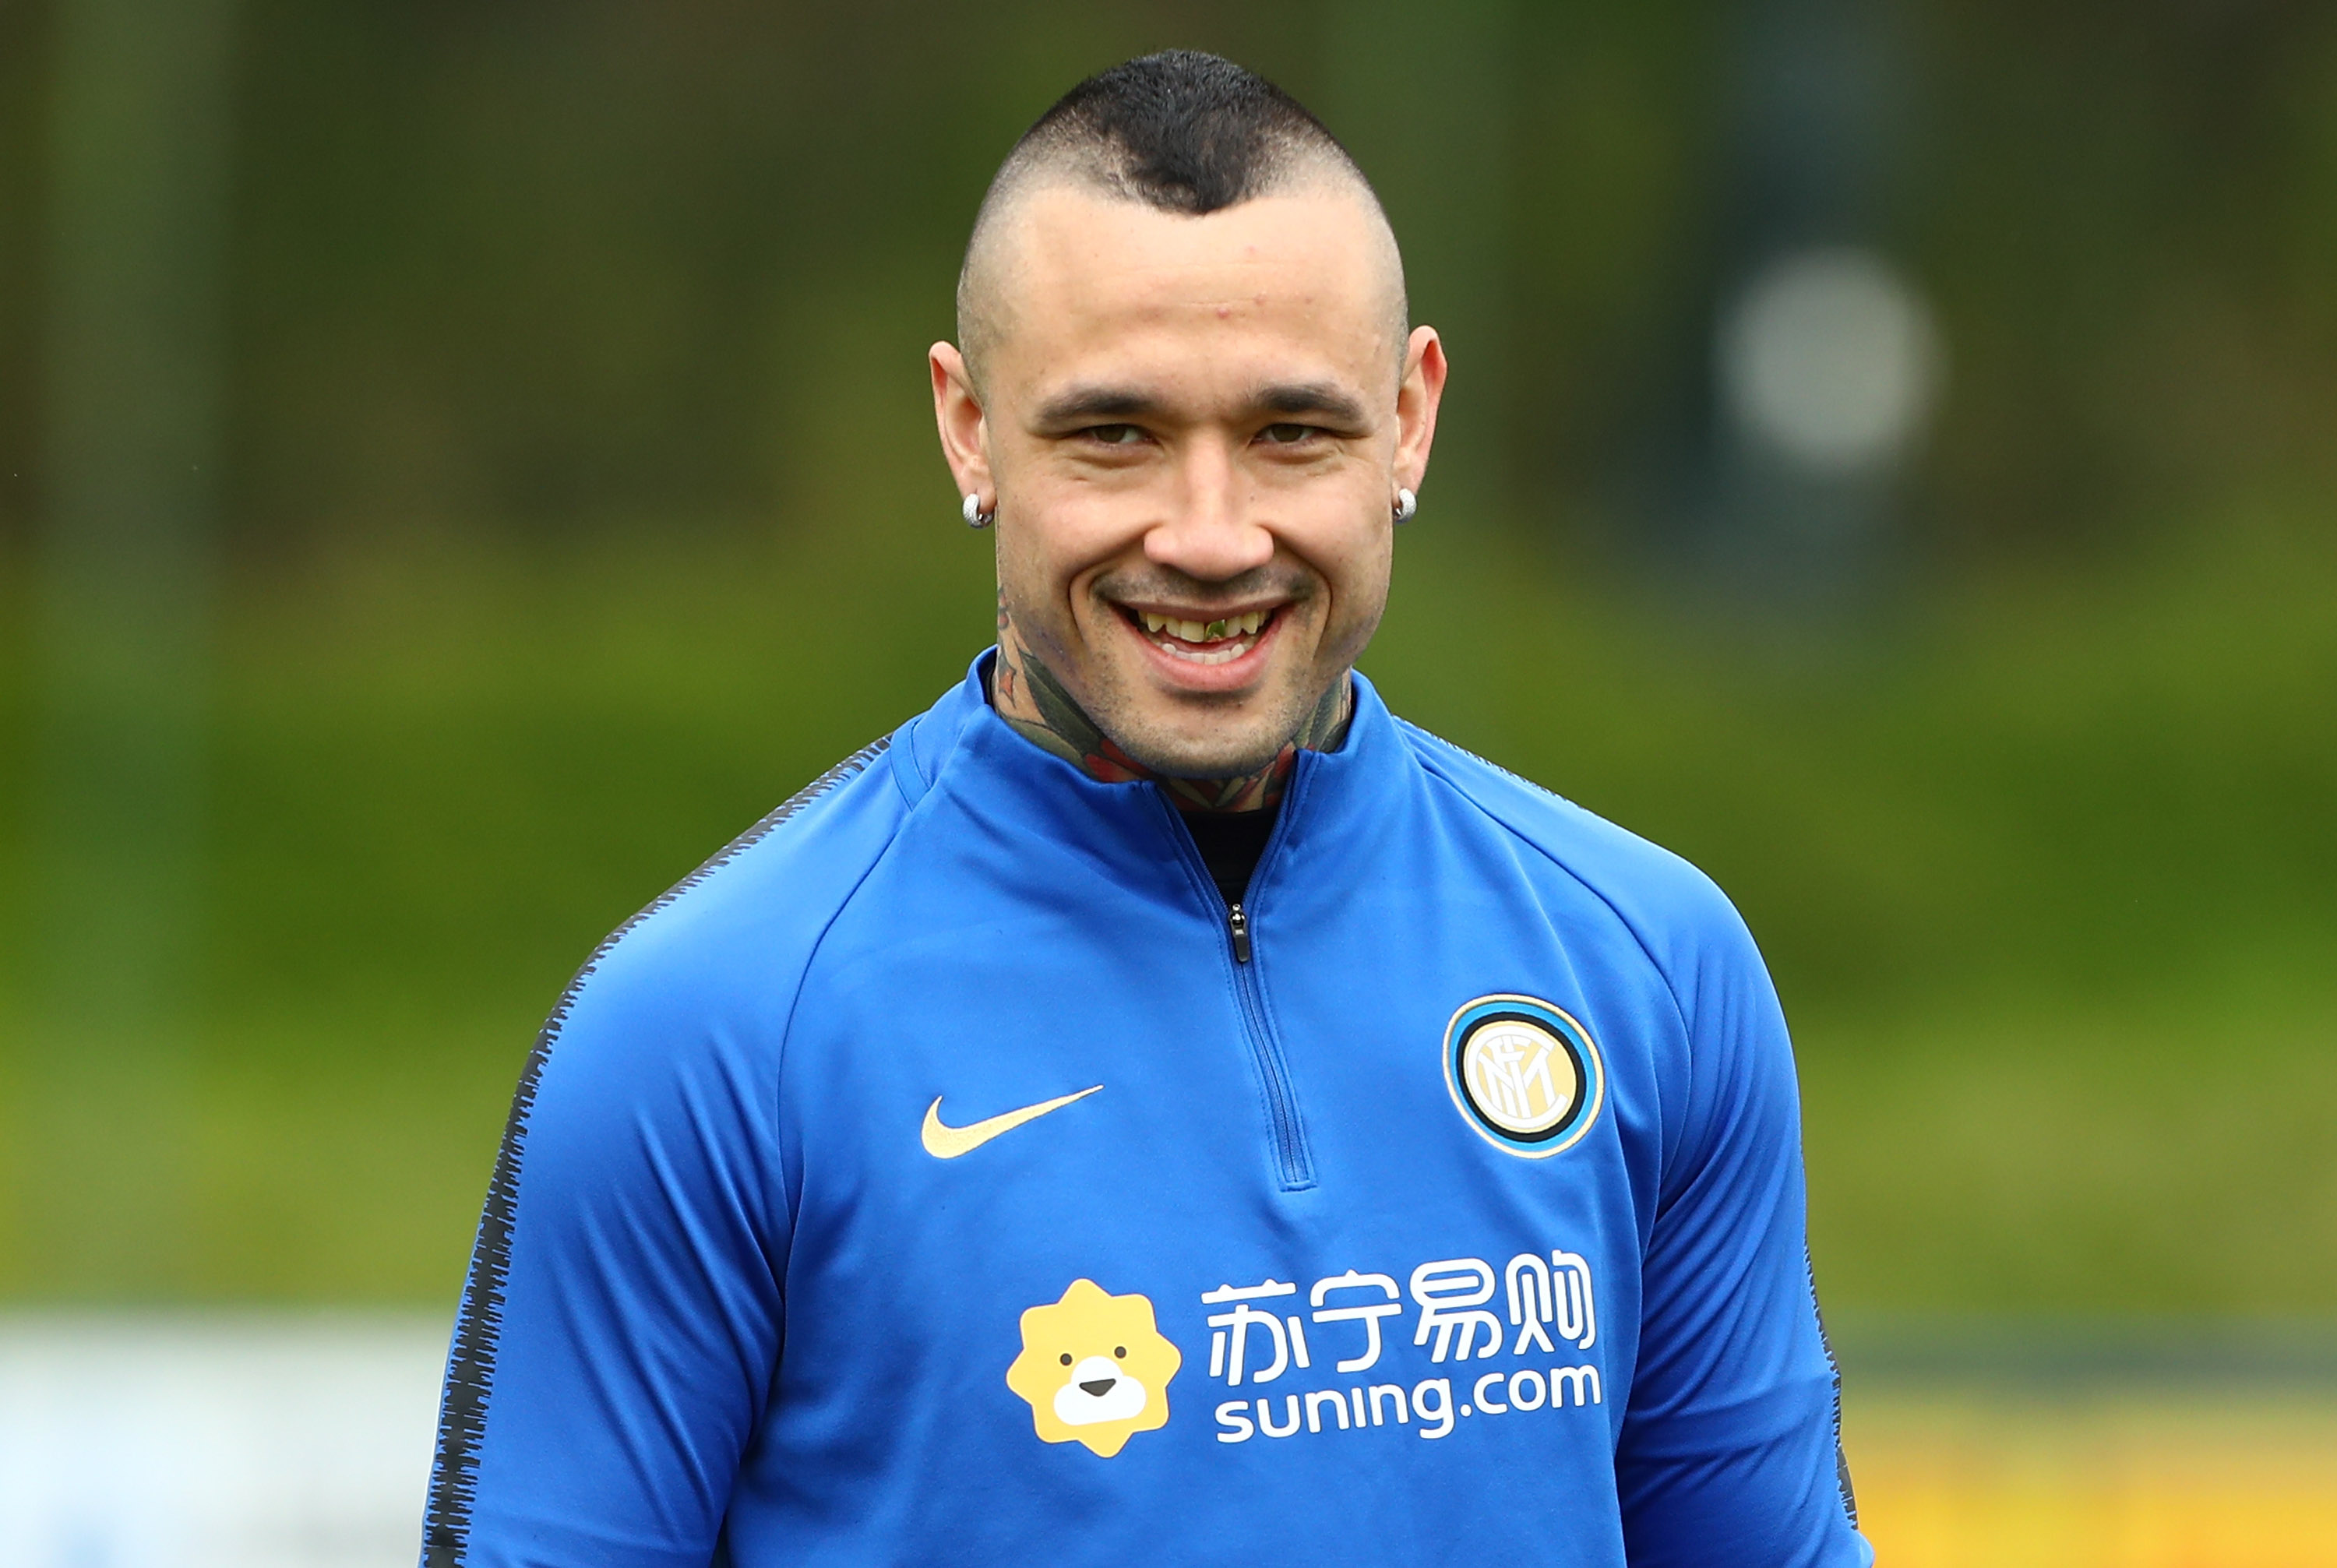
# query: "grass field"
{"points": [[2045, 864]]}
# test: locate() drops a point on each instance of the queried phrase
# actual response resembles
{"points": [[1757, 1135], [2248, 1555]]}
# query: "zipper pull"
{"points": [[1238, 927]]}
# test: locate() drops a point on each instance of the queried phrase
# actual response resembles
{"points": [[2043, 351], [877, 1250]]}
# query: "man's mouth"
{"points": [[1218, 641]]}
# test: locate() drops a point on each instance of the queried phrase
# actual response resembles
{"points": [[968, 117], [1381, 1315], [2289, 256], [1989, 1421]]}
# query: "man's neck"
{"points": [[1029, 697]]}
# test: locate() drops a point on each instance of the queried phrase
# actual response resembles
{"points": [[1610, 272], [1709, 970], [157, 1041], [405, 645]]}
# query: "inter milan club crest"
{"points": [[1525, 1075]]}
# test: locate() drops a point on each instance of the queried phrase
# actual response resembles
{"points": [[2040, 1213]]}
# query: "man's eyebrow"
{"points": [[1083, 403], [1311, 397]]}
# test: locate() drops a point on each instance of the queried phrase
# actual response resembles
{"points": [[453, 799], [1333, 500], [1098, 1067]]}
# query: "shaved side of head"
{"points": [[1180, 132]]}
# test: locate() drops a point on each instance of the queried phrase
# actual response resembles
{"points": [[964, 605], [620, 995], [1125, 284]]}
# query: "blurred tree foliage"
{"points": [[582, 502], [523, 265]]}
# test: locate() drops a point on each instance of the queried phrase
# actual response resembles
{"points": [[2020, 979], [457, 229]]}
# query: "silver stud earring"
{"points": [[1406, 503], [975, 518]]}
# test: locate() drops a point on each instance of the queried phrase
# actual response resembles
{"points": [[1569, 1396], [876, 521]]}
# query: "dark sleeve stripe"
{"points": [[1833, 1367], [478, 1324]]}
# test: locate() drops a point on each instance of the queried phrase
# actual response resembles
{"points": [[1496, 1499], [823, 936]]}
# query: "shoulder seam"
{"points": [[1688, 1029], [1543, 851], [478, 1324], [1671, 989], [803, 977]]}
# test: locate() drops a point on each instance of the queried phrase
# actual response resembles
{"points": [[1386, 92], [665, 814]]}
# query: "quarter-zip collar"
{"points": [[1334, 804]]}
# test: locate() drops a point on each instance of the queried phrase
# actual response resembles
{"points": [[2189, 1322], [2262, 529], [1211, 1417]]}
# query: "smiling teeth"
{"points": [[1204, 631]]}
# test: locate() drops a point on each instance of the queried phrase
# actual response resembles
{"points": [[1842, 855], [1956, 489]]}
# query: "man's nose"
{"points": [[1211, 534]]}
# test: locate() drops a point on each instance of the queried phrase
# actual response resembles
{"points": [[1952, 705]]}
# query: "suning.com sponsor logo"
{"points": [[1256, 1336]]}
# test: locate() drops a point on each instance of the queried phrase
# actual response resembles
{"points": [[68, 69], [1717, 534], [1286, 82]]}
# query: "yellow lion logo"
{"points": [[1094, 1368]]}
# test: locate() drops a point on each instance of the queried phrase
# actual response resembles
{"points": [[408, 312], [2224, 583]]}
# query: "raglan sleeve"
{"points": [[622, 1316], [1730, 1449]]}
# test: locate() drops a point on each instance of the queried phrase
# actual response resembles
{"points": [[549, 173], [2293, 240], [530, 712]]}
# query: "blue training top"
{"points": [[944, 1174]]}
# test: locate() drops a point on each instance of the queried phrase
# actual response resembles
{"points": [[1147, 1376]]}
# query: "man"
{"points": [[1158, 1107]]}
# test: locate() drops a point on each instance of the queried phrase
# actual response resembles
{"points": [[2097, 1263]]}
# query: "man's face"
{"points": [[1193, 430]]}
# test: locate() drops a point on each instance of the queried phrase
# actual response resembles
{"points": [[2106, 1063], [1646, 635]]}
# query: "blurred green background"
{"points": [[458, 464]]}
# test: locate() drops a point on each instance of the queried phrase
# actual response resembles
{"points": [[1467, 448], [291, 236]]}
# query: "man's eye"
{"points": [[1116, 434], [1285, 434]]}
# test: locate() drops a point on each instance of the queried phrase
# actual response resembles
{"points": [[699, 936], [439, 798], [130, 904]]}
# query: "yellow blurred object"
{"points": [[2096, 1479]]}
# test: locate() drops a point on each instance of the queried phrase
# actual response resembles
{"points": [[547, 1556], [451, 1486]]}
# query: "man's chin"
{"points": [[1162, 750], [1200, 735]]}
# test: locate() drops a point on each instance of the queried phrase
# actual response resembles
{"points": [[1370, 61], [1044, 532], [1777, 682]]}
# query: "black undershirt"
{"points": [[1230, 843]]}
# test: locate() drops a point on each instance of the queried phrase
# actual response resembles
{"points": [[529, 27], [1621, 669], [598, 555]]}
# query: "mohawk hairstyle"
{"points": [[1179, 130]]}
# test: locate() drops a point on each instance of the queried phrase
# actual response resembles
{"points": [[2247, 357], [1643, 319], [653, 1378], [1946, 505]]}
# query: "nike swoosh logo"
{"points": [[943, 1142]]}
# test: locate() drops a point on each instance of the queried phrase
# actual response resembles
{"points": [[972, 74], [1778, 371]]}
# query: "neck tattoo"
{"points": [[1029, 698]]}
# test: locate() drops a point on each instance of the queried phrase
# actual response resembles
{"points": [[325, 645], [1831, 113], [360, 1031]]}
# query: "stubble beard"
{"points": [[1106, 694], [1162, 748]]}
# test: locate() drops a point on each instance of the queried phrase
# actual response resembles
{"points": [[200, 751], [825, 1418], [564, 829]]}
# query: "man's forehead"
{"points": [[1316, 261], [1066, 235]]}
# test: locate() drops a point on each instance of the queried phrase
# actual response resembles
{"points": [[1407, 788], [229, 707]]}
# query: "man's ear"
{"points": [[1416, 400], [957, 414]]}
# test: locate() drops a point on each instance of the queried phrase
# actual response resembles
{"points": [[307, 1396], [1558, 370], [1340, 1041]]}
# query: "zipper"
{"points": [[1293, 1160]]}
